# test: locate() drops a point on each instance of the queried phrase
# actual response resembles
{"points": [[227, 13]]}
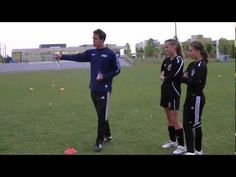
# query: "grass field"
{"points": [[29, 125]]}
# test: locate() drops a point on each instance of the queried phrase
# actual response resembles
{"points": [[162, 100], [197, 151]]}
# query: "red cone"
{"points": [[70, 151]]}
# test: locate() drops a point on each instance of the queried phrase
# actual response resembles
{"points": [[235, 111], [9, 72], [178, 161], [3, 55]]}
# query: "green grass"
{"points": [[30, 126]]}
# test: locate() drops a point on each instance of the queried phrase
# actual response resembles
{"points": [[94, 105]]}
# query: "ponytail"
{"points": [[178, 50], [204, 55]]}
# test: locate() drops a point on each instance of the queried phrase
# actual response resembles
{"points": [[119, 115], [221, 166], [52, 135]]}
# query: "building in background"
{"points": [[200, 38]]}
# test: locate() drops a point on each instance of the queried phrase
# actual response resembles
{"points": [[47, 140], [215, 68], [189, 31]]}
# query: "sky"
{"points": [[19, 35]]}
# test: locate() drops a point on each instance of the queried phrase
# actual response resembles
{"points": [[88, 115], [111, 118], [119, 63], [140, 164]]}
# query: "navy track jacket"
{"points": [[101, 60]]}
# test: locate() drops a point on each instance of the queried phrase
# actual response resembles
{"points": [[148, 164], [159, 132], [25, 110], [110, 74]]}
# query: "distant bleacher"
{"points": [[224, 58]]}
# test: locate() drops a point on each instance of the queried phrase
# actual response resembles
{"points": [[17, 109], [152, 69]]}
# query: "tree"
{"points": [[151, 49], [225, 47], [185, 48], [209, 49], [157, 52], [139, 52], [233, 51], [127, 50], [7, 59], [1, 59]]}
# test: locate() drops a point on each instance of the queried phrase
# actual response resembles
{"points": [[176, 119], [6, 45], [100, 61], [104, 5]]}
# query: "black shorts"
{"points": [[171, 103], [170, 97]]}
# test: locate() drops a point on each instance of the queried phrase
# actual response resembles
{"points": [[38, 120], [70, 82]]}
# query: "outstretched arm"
{"points": [[81, 57]]}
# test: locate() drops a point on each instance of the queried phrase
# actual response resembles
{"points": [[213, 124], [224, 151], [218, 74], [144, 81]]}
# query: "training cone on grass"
{"points": [[70, 151]]}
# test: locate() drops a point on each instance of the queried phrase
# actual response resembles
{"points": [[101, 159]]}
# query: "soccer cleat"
{"points": [[98, 147], [189, 153], [198, 152], [169, 144], [107, 139], [179, 150]]}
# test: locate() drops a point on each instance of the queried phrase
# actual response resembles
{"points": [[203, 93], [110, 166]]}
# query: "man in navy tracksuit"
{"points": [[104, 66]]}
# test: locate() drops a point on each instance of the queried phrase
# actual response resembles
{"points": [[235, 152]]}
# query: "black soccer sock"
{"points": [[198, 138], [172, 135], [180, 136]]}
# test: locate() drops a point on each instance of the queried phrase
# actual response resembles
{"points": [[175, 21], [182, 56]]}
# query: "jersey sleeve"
{"points": [[115, 68], [81, 57], [162, 66]]}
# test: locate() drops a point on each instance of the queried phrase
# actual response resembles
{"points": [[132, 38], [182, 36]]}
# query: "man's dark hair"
{"points": [[101, 34]]}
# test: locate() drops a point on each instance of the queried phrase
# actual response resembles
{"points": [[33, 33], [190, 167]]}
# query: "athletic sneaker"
{"points": [[179, 150], [198, 152], [98, 147], [169, 144], [189, 153], [107, 139]]}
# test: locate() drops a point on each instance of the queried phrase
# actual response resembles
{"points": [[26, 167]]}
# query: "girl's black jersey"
{"points": [[197, 75], [173, 69]]}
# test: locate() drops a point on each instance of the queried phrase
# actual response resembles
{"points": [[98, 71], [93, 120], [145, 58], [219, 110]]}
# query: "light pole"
{"points": [[176, 38]]}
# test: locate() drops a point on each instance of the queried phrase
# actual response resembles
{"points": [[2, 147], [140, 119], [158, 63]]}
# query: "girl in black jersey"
{"points": [[195, 78], [171, 73]]}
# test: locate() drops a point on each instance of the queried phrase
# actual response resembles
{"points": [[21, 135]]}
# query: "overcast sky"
{"points": [[32, 34]]}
